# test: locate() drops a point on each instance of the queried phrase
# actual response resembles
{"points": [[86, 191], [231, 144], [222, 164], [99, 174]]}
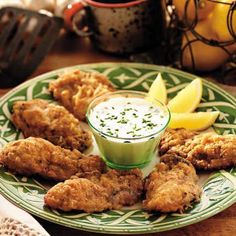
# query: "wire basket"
{"points": [[207, 44], [199, 43]]}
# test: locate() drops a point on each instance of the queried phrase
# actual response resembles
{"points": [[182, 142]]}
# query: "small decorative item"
{"points": [[200, 37]]}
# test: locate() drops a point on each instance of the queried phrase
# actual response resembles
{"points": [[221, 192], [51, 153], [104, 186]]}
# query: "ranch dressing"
{"points": [[128, 118], [127, 127]]}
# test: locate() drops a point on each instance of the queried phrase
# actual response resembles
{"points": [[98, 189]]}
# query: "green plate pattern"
{"points": [[219, 187]]}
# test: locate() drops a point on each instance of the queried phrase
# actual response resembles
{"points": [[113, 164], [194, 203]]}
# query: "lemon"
{"points": [[219, 21], [189, 7], [193, 121], [201, 55], [158, 90], [188, 98], [198, 54]]}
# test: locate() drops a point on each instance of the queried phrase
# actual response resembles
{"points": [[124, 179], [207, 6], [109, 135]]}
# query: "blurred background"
{"points": [[198, 36]]}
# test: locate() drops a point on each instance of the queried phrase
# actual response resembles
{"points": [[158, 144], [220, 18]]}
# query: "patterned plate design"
{"points": [[219, 187]]}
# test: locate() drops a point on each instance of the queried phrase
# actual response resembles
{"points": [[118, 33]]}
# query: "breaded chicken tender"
{"points": [[173, 138], [124, 187], [78, 194], [38, 118], [36, 156], [208, 151], [172, 186], [212, 151], [76, 90], [95, 192]]}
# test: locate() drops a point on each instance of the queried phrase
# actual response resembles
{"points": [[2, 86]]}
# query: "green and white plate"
{"points": [[219, 187]]}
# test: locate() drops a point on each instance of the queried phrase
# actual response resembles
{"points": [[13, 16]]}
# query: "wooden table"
{"points": [[69, 51]]}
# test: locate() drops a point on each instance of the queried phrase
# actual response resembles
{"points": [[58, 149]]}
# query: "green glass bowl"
{"points": [[126, 152]]}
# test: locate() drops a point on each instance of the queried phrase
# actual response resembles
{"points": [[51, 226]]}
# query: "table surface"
{"points": [[70, 50]]}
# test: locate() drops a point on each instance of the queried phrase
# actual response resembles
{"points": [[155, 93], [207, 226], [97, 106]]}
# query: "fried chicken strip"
{"points": [[36, 156], [173, 138], [172, 186], [76, 90], [207, 151], [38, 118], [95, 192], [212, 151], [124, 187], [78, 194]]}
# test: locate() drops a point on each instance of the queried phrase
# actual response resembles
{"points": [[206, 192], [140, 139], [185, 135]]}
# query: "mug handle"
{"points": [[71, 14]]}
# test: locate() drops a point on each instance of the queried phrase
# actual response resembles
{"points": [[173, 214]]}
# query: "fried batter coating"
{"points": [[173, 138], [94, 192], [212, 151], [75, 90], [208, 151], [124, 187], [36, 156], [38, 118], [172, 186], [78, 194]]}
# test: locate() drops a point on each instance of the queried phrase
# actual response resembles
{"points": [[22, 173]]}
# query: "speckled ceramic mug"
{"points": [[119, 27]]}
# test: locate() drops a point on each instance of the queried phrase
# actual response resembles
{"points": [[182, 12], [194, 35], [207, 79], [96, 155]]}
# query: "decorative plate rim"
{"points": [[111, 64], [229, 200]]}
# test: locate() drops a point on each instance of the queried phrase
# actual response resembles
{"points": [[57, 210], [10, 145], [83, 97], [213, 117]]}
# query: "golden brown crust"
{"points": [[173, 138], [90, 163], [78, 194], [75, 90], [36, 156], [38, 118], [111, 190], [208, 151], [124, 187], [212, 151], [172, 186]]}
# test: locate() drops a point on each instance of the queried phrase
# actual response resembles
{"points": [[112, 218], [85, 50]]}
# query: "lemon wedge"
{"points": [[193, 121], [158, 90], [188, 98]]}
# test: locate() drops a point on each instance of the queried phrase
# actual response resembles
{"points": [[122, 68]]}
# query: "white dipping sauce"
{"points": [[128, 118], [127, 128]]}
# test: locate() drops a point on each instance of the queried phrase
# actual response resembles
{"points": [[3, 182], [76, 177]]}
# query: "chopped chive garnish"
{"points": [[144, 121], [130, 132], [123, 121]]}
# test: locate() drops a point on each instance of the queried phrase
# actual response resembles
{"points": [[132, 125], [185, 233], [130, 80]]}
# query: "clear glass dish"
{"points": [[128, 148]]}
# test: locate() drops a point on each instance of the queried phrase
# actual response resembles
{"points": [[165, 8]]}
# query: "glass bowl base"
{"points": [[125, 166]]}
